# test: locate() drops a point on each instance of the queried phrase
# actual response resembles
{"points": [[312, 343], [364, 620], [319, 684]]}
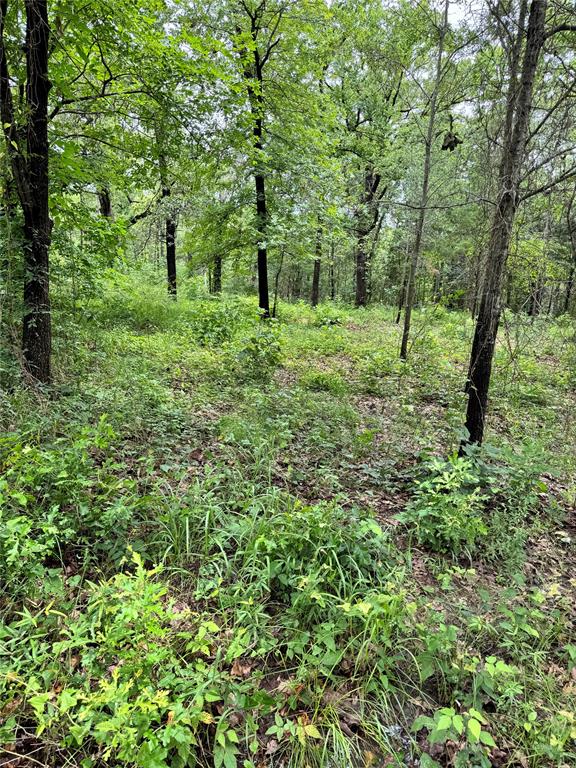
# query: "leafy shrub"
{"points": [[376, 369], [446, 508], [327, 316], [467, 729], [260, 353], [213, 322], [130, 677], [70, 492], [25, 545], [298, 553], [324, 381]]}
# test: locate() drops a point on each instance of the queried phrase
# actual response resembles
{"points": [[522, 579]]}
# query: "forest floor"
{"points": [[231, 543]]}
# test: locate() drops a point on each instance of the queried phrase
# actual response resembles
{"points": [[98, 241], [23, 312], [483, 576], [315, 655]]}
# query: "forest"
{"points": [[287, 383]]}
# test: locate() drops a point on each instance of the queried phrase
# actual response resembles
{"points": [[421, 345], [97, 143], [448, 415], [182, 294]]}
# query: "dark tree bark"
{"points": [[254, 60], [105, 202], [332, 273], [27, 148], [366, 218], [171, 257], [315, 298], [170, 226], [217, 275], [262, 262], [519, 107], [572, 273], [415, 260]]}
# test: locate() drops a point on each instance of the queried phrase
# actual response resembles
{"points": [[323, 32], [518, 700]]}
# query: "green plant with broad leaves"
{"points": [[446, 509]]}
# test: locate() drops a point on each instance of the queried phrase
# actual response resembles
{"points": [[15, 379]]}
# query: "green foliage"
{"points": [[324, 381], [447, 506], [291, 619], [68, 495], [131, 676], [469, 726], [260, 353], [327, 316]]}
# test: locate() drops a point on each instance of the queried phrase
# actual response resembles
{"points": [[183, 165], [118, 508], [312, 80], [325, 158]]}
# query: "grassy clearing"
{"points": [[228, 544]]}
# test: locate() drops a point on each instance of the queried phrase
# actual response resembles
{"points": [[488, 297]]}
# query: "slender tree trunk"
{"points": [[262, 217], [415, 260], [105, 202], [572, 272], [366, 220], [253, 74], [519, 107], [217, 277], [332, 275], [171, 256], [27, 148], [170, 227], [315, 298]]}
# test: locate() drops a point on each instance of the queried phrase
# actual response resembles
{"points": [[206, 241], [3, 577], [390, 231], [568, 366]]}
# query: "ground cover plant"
{"points": [[287, 383], [257, 551]]}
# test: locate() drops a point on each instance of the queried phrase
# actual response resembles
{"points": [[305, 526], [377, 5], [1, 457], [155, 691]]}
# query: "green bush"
{"points": [[260, 353], [131, 678], [324, 381], [447, 506], [68, 494]]}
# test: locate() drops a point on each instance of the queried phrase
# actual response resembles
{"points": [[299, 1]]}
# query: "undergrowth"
{"points": [[225, 543]]}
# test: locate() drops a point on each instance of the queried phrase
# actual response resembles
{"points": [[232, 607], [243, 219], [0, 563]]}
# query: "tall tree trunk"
{"points": [[171, 256], [366, 216], [261, 225], [253, 75], [332, 275], [170, 227], [27, 148], [519, 107], [217, 277], [315, 298], [105, 202], [415, 260], [37, 326], [277, 283], [572, 234]]}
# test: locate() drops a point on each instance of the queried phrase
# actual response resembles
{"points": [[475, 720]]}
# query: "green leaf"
{"points": [[474, 729], [458, 724], [486, 738], [444, 723]]}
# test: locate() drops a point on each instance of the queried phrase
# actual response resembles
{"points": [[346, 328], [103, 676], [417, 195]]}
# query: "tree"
{"points": [[257, 40], [523, 63], [26, 136], [428, 141], [315, 298]]}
